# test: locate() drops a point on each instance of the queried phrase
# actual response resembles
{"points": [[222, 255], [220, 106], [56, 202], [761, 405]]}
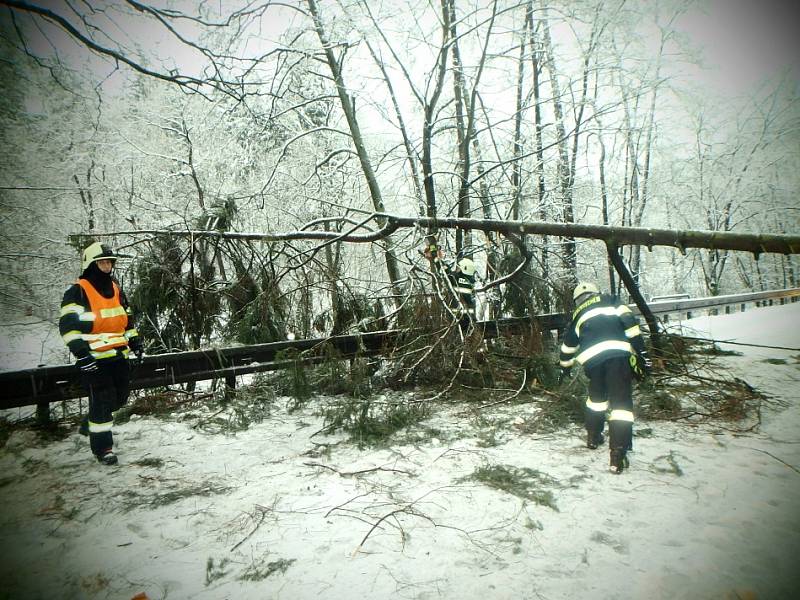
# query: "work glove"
{"points": [[647, 364], [138, 351], [640, 365], [563, 375], [87, 364], [432, 251]]}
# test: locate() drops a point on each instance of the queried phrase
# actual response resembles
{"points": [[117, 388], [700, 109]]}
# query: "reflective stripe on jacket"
{"points": [[463, 285], [83, 320], [600, 329], [109, 323]]}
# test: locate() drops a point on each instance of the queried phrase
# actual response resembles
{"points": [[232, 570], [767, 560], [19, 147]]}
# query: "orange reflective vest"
{"points": [[109, 323]]}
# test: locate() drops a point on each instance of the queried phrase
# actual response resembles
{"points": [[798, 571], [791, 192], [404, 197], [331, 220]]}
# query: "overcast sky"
{"points": [[743, 41], [747, 40]]}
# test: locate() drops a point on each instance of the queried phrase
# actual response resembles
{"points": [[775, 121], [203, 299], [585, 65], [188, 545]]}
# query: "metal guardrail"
{"points": [[52, 384], [43, 385], [688, 308]]}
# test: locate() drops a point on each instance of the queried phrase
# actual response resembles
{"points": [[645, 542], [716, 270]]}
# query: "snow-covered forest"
{"points": [[246, 159], [122, 116]]}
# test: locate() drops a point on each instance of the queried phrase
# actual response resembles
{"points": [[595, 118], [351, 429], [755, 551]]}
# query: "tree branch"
{"points": [[643, 236], [185, 81]]}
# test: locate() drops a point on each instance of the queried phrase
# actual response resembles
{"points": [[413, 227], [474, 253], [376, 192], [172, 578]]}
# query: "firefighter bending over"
{"points": [[604, 337]]}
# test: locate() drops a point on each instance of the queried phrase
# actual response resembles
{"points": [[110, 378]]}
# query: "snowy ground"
{"points": [[270, 513]]}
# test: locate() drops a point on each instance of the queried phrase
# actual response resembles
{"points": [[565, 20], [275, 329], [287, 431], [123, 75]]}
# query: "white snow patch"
{"points": [[702, 513]]}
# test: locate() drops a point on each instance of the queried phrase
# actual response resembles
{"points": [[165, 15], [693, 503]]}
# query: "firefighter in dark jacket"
{"points": [[462, 279], [604, 337], [97, 326]]}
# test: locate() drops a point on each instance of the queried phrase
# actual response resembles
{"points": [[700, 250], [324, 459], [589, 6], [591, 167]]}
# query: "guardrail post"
{"points": [[43, 413], [230, 387]]}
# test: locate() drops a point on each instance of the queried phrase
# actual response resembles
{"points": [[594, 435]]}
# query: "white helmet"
{"points": [[95, 252], [584, 287], [467, 266]]}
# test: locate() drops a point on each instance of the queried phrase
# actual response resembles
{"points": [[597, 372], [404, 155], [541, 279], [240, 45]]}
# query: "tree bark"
{"points": [[427, 127], [569, 258], [516, 191], [358, 141], [465, 116], [636, 295], [612, 284], [538, 167], [618, 236]]}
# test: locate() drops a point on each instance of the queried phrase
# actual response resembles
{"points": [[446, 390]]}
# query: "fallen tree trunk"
{"points": [[756, 243]]}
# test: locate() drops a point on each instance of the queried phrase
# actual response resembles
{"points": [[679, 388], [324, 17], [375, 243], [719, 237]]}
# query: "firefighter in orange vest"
{"points": [[97, 326]]}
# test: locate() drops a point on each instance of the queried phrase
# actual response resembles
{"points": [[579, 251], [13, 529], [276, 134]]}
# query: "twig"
{"points": [[408, 508], [548, 392], [793, 468], [204, 421], [262, 511], [512, 396], [343, 504], [362, 471]]}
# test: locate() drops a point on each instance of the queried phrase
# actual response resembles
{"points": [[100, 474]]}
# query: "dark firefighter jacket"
{"points": [[463, 285], [601, 328]]}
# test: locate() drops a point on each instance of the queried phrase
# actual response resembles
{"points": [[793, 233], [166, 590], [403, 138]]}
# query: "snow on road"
{"points": [[274, 512]]}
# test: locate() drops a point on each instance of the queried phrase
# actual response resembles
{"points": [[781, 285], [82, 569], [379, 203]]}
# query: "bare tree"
{"points": [[564, 177], [334, 65]]}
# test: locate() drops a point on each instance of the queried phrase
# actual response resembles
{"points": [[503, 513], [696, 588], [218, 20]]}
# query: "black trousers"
{"points": [[108, 389], [610, 381]]}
